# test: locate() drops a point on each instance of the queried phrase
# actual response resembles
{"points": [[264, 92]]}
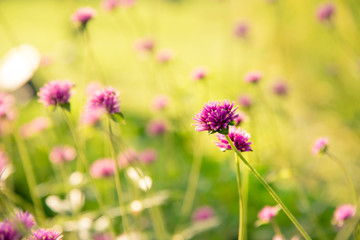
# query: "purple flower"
{"points": [[280, 88], [7, 102], [148, 156], [55, 93], [34, 127], [199, 73], [164, 55], [102, 168], [245, 100], [343, 213], [268, 213], [126, 3], [320, 145], [203, 213], [325, 12], [46, 234], [83, 15], [107, 99], [241, 117], [160, 102], [156, 128], [126, 157], [253, 77], [25, 220], [109, 5], [215, 116], [241, 29], [144, 45], [62, 154], [238, 136]]}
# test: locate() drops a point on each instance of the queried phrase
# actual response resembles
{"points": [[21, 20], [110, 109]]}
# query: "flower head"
{"points": [[238, 136], [55, 93], [320, 145], [107, 99], [109, 5], [343, 213], [7, 102], [268, 213], [126, 3], [245, 100], [156, 128], [144, 45], [148, 156], [8, 231], [253, 77], [160, 102], [102, 168], [199, 73], [46, 234], [62, 154], [241, 29], [325, 12], [215, 116], [83, 15], [126, 157], [26, 220], [241, 117], [35, 126], [203, 213], [280, 88], [164, 55]]}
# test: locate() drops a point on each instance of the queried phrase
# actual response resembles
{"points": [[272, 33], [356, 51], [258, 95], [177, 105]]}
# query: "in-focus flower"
{"points": [[238, 136], [144, 45], [35, 126], [160, 102], [325, 12], [215, 116], [342, 213], [268, 213], [203, 213], [241, 29], [55, 93], [102, 168], [320, 145], [8, 231], [107, 99], [148, 156], [199, 73], [7, 102], [241, 117], [109, 5], [4, 161], [156, 128], [253, 77], [62, 154], [280, 88], [126, 157], [83, 15], [164, 55], [46, 234], [245, 100]]}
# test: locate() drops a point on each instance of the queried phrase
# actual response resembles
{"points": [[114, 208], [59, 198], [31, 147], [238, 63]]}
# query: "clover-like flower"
{"points": [[55, 93], [238, 136]]}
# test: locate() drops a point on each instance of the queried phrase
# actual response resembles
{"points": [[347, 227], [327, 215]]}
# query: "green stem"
{"points": [[125, 222], [270, 190], [348, 178], [245, 191], [242, 220], [30, 178], [276, 227]]}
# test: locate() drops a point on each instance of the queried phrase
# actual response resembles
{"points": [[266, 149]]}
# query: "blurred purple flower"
{"points": [[203, 213], [25, 220], [156, 128], [126, 157], [102, 168], [320, 145], [148, 156], [126, 3], [238, 136], [7, 102], [164, 55], [268, 213], [144, 45], [109, 5], [241, 117], [241, 29], [62, 154], [325, 12], [253, 77], [280, 88], [83, 15], [107, 99], [160, 102], [199, 73], [343, 213], [55, 93], [215, 116], [46, 234], [245, 100], [8, 231], [35, 126]]}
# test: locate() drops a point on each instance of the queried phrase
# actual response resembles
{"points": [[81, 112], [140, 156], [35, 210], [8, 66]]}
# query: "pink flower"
{"points": [[7, 103], [148, 156], [35, 126], [253, 77], [343, 213], [126, 157], [238, 136], [164, 55], [203, 213], [144, 45], [325, 12], [280, 88], [199, 73], [126, 3], [107, 99], [240, 118], [160, 102], [83, 15], [156, 128], [241, 29], [278, 237], [320, 145], [245, 100], [62, 154], [55, 93], [102, 168], [268, 213], [109, 5]]}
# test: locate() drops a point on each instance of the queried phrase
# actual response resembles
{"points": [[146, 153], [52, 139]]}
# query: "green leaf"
{"points": [[232, 123], [118, 117], [224, 131], [65, 106]]}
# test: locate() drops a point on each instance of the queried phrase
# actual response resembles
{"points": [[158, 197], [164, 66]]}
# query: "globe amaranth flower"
{"points": [[199, 73], [46, 234], [280, 88], [61, 154], [238, 136], [55, 93], [342, 213], [25, 221], [127, 157], [320, 145], [164, 55], [241, 30], [102, 168], [268, 213], [160, 102], [203, 213], [240, 118], [83, 15], [7, 103], [35, 126], [144, 45], [8, 231], [245, 100], [148, 156], [109, 5], [253, 77], [215, 116], [325, 12], [107, 99], [155, 128]]}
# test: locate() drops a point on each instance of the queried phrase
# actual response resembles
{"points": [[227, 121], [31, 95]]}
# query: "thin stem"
{"points": [[242, 221], [125, 222], [245, 191], [270, 190], [30, 178], [276, 227], [348, 178]]}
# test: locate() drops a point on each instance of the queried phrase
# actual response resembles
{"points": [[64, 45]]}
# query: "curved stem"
{"points": [[348, 178], [270, 190], [242, 221]]}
